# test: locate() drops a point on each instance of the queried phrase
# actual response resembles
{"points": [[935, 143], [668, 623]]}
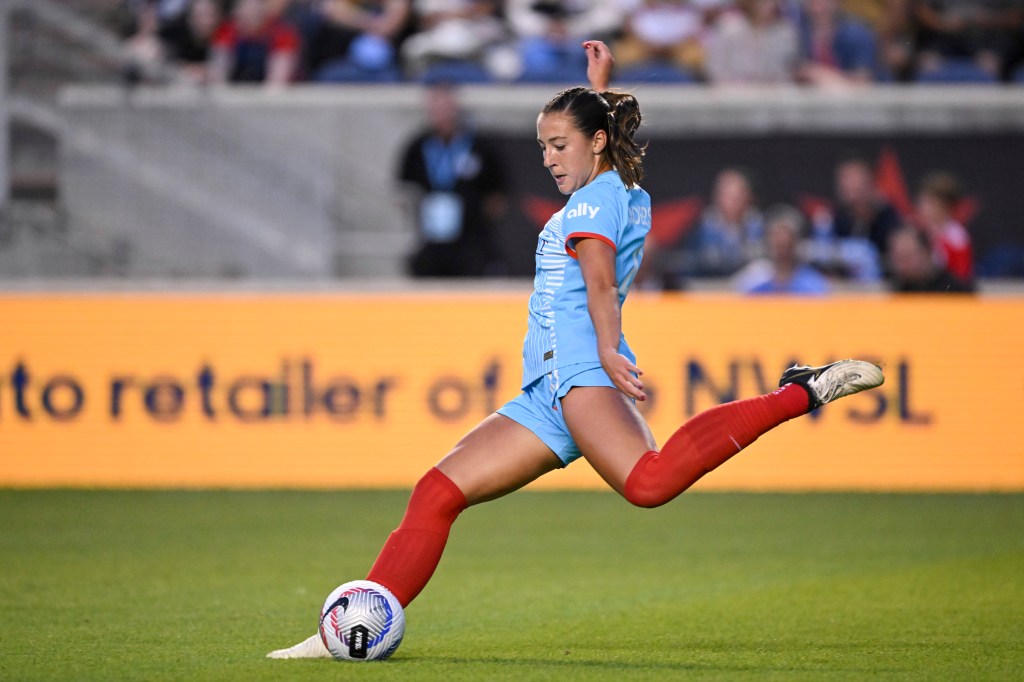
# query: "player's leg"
{"points": [[499, 456], [604, 424], [495, 458], [609, 431]]}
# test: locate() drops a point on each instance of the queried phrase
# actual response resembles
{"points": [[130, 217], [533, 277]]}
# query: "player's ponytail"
{"points": [[617, 114], [623, 151]]}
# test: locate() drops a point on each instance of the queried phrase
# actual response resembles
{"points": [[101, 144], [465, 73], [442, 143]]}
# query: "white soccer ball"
{"points": [[362, 621]]}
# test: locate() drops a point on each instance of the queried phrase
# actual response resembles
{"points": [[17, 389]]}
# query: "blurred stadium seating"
{"points": [[166, 181]]}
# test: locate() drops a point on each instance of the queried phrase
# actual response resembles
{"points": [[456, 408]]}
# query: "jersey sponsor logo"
{"points": [[582, 210], [640, 215]]}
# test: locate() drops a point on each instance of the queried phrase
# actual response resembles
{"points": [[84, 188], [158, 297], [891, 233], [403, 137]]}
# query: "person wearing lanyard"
{"points": [[457, 190]]}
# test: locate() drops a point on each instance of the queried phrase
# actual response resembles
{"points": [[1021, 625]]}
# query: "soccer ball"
{"points": [[362, 621]]}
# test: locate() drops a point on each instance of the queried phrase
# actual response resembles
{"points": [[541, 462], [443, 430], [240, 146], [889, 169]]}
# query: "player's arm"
{"points": [[599, 64], [597, 263]]}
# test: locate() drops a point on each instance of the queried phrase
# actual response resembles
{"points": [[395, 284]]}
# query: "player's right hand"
{"points": [[625, 375], [599, 64]]}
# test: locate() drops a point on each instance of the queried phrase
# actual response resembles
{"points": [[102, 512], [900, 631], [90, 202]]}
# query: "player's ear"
{"points": [[600, 142]]}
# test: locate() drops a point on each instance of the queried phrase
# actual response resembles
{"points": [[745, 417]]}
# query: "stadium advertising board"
{"points": [[369, 390]]}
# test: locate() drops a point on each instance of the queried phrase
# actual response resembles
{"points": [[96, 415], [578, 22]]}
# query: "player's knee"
{"points": [[646, 499], [645, 486]]}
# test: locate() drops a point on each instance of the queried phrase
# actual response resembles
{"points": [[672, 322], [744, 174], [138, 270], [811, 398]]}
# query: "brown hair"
{"points": [[617, 114], [942, 186]]}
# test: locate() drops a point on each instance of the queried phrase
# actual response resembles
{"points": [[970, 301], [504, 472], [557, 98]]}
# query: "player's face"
{"points": [[572, 158]]}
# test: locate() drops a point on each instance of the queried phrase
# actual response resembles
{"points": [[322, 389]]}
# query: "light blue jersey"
{"points": [[560, 331]]}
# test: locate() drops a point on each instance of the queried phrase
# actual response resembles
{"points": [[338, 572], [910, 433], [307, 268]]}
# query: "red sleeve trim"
{"points": [[586, 235]]}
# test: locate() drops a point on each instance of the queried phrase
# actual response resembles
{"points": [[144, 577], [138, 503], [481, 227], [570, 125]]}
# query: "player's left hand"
{"points": [[599, 64], [625, 375]]}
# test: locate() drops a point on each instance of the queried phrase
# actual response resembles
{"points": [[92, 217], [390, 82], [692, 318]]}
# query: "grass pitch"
{"points": [[559, 586]]}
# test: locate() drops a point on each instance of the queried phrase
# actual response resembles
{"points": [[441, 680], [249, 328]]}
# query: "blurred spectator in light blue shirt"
{"points": [[352, 40], [782, 271], [835, 49], [850, 242], [549, 33], [730, 230]]}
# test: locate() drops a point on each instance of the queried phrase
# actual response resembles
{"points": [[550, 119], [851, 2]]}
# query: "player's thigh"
{"points": [[495, 458], [608, 430]]}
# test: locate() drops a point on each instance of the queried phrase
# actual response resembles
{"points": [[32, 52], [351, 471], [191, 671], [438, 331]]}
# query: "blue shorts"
{"points": [[539, 407]]}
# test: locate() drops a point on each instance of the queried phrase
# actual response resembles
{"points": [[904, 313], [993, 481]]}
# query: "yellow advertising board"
{"points": [[314, 390]]}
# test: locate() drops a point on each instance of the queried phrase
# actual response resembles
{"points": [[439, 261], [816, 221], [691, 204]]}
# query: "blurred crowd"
{"points": [[457, 195], [858, 236], [721, 42], [866, 233]]}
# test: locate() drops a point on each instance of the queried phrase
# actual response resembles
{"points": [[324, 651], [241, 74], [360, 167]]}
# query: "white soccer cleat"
{"points": [[308, 648], [831, 382]]}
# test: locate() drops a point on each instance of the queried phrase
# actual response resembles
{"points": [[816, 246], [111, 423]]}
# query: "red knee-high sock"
{"points": [[414, 549], [706, 441]]}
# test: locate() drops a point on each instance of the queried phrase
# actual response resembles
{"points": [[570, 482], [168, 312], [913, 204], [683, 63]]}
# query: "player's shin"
{"points": [[413, 550]]}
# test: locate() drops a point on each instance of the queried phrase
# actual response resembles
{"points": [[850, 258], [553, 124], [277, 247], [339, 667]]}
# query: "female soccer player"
{"points": [[580, 378]]}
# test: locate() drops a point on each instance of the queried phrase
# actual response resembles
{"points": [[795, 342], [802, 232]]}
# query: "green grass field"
{"points": [[560, 586]]}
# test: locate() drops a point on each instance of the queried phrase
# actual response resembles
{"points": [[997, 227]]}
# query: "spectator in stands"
{"points": [[913, 268], [144, 54], [835, 48], [549, 33], [189, 38], [662, 32], [782, 271], [166, 11], [727, 237], [354, 39], [862, 211], [453, 31], [255, 45], [756, 45], [937, 201], [850, 242], [291, 12], [872, 12], [172, 9], [890, 21], [981, 31], [457, 193], [710, 10]]}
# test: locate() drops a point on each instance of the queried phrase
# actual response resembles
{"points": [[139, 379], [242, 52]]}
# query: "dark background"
{"points": [[792, 168]]}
